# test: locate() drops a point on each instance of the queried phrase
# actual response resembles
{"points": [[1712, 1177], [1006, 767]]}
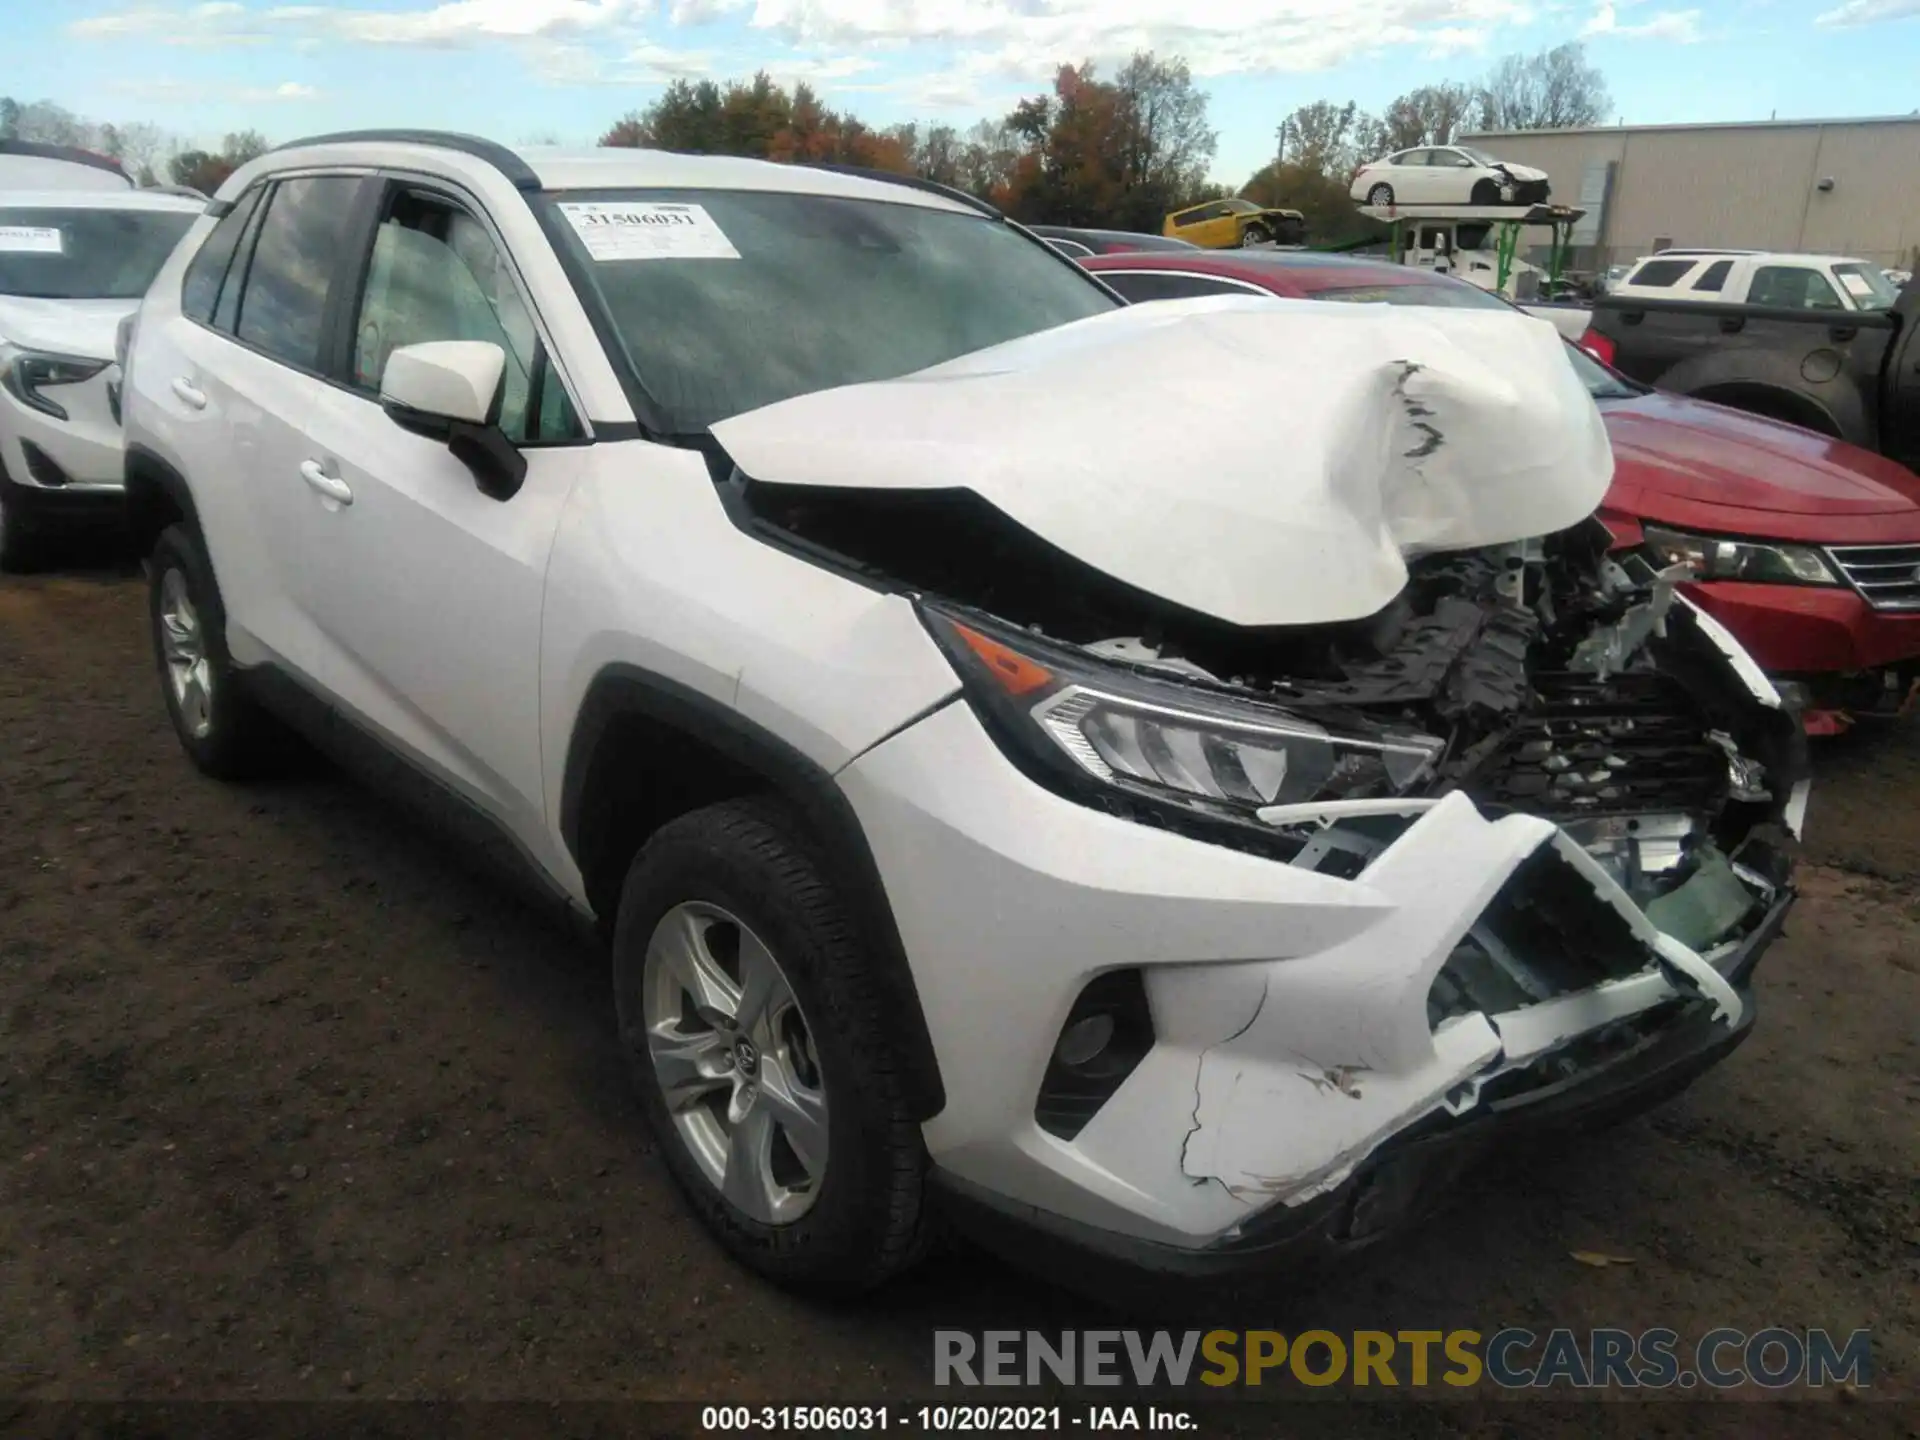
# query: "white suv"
{"points": [[1027, 770], [73, 264]]}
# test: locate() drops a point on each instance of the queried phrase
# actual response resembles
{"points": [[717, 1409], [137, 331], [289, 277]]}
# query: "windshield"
{"points": [[1601, 383], [1867, 286], [725, 301], [86, 254], [1479, 157]]}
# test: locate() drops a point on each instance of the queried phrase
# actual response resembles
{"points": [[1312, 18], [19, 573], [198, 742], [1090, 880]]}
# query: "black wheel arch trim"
{"points": [[621, 690], [142, 468]]}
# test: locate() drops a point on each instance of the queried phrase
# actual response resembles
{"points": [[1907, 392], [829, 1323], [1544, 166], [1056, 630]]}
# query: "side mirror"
{"points": [[450, 390]]}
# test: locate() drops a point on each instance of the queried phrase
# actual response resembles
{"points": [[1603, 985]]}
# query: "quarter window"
{"points": [[1661, 273], [1714, 277], [201, 290], [283, 310], [437, 274]]}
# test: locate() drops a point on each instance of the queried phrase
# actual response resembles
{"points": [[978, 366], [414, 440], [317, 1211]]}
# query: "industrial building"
{"points": [[1847, 187]]}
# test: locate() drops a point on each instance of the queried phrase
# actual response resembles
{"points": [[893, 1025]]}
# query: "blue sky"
{"points": [[525, 70]]}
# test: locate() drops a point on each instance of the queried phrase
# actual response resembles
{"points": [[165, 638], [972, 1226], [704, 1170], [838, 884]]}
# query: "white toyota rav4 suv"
{"points": [[1169, 781]]}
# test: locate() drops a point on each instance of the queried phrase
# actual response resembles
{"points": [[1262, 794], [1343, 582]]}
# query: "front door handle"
{"points": [[190, 396], [331, 486]]}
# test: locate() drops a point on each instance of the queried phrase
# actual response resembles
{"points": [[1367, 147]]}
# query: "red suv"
{"points": [[1807, 548]]}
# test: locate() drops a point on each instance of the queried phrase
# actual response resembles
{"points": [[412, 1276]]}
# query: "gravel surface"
{"points": [[295, 1104]]}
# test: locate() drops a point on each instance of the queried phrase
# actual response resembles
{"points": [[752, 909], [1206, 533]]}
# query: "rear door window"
{"points": [[283, 310], [1793, 287]]}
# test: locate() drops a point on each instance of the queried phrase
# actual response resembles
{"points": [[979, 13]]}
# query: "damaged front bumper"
{"points": [[1312, 1032]]}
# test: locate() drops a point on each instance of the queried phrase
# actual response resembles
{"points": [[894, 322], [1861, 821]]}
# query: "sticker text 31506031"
{"points": [[640, 230]]}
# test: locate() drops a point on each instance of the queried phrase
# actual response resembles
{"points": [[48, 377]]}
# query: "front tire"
{"points": [[1255, 234], [223, 732], [1380, 196], [1485, 192], [761, 1052]]}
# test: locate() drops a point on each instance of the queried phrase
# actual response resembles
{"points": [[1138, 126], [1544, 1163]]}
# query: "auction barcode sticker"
{"points": [[29, 240], [649, 231]]}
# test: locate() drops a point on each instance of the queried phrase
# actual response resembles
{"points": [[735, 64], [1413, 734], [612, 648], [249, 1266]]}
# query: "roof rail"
{"points": [[912, 182], [519, 174], [73, 154]]}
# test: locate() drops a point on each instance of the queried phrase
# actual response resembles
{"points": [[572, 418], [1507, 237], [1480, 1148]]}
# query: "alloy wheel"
{"points": [[183, 645], [736, 1062]]}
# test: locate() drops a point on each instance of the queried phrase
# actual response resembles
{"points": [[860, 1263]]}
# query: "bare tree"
{"points": [[940, 156], [51, 124], [1554, 90], [1429, 115], [141, 148], [988, 155], [1323, 138], [1164, 139]]}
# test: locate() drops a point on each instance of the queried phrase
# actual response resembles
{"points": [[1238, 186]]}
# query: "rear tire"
{"points": [[720, 896], [219, 726], [1380, 196]]}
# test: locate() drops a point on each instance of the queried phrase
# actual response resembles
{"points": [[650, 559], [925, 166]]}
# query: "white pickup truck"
{"points": [[1788, 282]]}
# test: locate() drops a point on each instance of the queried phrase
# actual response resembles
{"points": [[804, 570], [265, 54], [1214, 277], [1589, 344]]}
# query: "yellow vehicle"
{"points": [[1230, 224]]}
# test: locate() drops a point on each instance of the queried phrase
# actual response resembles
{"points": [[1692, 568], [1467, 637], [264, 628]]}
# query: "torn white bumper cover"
{"points": [[1342, 1053], [1393, 816]]}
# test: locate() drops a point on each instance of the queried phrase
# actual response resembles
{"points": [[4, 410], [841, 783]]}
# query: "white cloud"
{"points": [[180, 92], [1679, 26], [1027, 37], [456, 22], [1870, 12]]}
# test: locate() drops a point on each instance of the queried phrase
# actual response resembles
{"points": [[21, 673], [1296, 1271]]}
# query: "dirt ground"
{"points": [[295, 1104]]}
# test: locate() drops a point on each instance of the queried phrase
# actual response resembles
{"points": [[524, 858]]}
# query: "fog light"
{"points": [[1106, 1035], [1083, 1040]]}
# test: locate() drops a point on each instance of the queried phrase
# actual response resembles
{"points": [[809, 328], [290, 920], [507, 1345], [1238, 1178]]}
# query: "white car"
{"points": [[1024, 772], [28, 165], [1447, 175], [73, 264], [1750, 277]]}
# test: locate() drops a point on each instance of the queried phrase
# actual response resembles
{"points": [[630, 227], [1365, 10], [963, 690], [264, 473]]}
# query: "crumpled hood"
{"points": [[85, 329], [1263, 461], [1523, 172], [1671, 447]]}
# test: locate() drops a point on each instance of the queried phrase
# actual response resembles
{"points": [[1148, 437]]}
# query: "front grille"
{"points": [[1887, 576], [1630, 744]]}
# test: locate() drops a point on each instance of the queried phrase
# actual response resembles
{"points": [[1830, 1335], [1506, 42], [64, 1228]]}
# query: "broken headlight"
{"points": [[1160, 739], [1713, 558]]}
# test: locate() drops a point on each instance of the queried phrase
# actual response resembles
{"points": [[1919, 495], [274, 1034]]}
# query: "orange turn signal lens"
{"points": [[1016, 673]]}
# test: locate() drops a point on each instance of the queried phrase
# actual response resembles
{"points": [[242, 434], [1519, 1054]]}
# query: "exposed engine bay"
{"points": [[1548, 679]]}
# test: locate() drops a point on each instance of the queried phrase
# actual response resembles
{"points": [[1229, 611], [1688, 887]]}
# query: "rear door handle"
{"points": [[189, 396], [331, 486]]}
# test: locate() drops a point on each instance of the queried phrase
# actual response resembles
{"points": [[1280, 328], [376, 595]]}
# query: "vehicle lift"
{"points": [[1507, 222]]}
